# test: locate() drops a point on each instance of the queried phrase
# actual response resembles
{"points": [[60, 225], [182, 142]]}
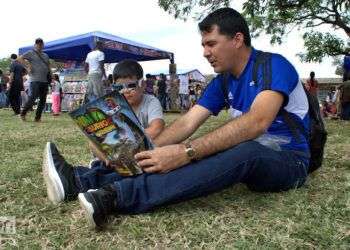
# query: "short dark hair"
{"points": [[56, 77], [229, 21], [13, 56], [127, 68], [99, 45], [39, 41], [110, 77]]}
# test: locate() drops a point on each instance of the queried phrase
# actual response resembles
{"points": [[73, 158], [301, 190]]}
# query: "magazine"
{"points": [[111, 125]]}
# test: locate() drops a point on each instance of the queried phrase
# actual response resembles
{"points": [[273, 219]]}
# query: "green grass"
{"points": [[314, 216]]}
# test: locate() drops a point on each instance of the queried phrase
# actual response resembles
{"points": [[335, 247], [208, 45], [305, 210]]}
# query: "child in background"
{"points": [[56, 95]]}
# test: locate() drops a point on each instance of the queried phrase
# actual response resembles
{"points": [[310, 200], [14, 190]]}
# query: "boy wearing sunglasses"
{"points": [[128, 81], [62, 179]]}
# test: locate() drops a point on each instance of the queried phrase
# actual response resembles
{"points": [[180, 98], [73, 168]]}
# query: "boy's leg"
{"points": [[64, 181], [97, 176]]}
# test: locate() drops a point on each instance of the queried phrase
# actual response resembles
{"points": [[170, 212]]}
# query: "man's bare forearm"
{"points": [[183, 127], [241, 129], [246, 127], [172, 134]]}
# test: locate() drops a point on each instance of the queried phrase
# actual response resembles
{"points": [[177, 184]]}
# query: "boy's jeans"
{"points": [[259, 167]]}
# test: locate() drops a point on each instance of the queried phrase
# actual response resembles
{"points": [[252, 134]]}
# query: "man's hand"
{"points": [[163, 159]]}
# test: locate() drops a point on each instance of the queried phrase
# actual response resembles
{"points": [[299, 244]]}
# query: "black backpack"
{"points": [[317, 133]]}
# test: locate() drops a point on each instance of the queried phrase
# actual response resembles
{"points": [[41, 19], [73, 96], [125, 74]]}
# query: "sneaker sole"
{"points": [[53, 182], [88, 209]]}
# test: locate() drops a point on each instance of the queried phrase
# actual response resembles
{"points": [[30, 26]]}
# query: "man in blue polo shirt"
{"points": [[256, 147]]}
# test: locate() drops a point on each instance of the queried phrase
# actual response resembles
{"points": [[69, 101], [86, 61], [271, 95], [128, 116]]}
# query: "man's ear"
{"points": [[239, 40]]}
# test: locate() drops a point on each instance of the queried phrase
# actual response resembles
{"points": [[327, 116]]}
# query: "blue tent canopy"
{"points": [[76, 48]]}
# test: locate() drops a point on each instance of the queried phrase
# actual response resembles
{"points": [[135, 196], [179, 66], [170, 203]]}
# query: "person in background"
{"points": [[109, 83], [56, 95], [17, 71], [198, 91], [312, 84], [344, 97], [162, 95], [94, 67], [38, 66], [184, 92], [192, 94], [149, 84], [3, 90], [174, 84], [328, 109]]}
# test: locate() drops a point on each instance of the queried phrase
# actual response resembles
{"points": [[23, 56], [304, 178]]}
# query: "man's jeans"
{"points": [[260, 168], [37, 89]]}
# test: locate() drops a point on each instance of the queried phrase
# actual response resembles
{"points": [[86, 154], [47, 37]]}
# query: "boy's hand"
{"points": [[100, 155]]}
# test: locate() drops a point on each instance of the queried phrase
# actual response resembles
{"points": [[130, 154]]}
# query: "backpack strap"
{"points": [[294, 126], [263, 60], [42, 59], [224, 88]]}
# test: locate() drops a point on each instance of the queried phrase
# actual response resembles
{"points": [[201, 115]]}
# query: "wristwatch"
{"points": [[191, 153]]}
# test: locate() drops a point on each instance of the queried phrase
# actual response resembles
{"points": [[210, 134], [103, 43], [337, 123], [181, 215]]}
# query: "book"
{"points": [[111, 125]]}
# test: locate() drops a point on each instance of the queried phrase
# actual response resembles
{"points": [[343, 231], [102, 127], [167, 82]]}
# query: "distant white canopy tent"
{"points": [[193, 75]]}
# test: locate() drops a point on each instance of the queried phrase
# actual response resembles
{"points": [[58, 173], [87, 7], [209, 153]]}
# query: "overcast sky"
{"points": [[139, 20]]}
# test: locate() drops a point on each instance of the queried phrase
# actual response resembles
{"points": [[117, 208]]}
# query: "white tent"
{"points": [[192, 75]]}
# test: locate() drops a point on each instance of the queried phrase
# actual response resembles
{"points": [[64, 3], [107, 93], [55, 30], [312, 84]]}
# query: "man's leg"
{"points": [[14, 96], [162, 98], [261, 168], [98, 88], [43, 88], [33, 94]]}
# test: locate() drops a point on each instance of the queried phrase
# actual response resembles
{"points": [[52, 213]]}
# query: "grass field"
{"points": [[316, 216]]}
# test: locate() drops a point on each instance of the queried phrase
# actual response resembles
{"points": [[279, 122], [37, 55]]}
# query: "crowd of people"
{"points": [[170, 94], [30, 78], [16, 90], [336, 103]]}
